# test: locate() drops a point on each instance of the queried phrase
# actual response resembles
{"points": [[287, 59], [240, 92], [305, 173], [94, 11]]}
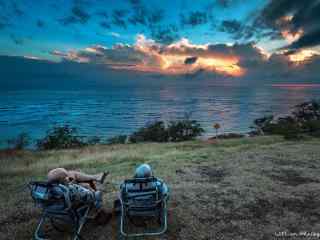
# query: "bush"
{"points": [[305, 119], [152, 132], [263, 125], [20, 142], [119, 139], [176, 131], [307, 111], [184, 130], [60, 138], [312, 127]]}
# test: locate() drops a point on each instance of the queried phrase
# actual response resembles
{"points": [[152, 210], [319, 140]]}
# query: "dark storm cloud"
{"points": [[165, 34], [190, 60], [119, 17], [194, 18], [239, 30], [142, 14], [304, 15], [307, 40], [231, 26], [78, 15]]}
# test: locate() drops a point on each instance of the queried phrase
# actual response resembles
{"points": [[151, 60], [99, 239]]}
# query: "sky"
{"points": [[220, 39]]}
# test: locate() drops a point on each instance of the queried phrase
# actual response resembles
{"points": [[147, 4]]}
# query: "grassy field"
{"points": [[234, 189]]}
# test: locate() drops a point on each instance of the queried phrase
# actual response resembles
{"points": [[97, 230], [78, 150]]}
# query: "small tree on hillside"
{"points": [[216, 126]]}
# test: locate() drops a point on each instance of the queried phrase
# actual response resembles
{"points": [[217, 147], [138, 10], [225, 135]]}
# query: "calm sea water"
{"points": [[121, 110]]}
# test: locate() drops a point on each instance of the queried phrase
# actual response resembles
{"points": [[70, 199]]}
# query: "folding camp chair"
{"points": [[58, 204], [143, 197]]}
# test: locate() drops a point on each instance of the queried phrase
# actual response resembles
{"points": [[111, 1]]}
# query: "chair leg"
{"points": [[122, 220], [82, 221], [162, 229], [39, 227]]}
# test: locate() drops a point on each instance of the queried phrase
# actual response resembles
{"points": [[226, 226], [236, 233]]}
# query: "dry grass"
{"points": [[233, 189]]}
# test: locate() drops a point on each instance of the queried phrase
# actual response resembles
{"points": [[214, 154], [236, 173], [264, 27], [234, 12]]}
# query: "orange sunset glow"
{"points": [[302, 56], [172, 60], [291, 37], [175, 65]]}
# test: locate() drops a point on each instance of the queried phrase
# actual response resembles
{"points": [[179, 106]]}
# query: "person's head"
{"points": [[143, 171], [58, 175]]}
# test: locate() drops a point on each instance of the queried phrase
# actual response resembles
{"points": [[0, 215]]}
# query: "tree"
{"points": [[61, 138], [216, 126]]}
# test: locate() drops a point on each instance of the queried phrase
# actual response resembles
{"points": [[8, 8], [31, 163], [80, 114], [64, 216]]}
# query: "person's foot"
{"points": [[103, 177]]}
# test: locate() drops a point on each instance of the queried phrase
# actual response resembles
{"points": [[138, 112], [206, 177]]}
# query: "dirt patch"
{"points": [[215, 175], [189, 147], [291, 177]]}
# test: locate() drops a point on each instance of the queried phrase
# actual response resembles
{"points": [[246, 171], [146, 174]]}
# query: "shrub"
{"points": [[263, 125], [184, 130], [152, 132], [312, 127], [60, 138], [305, 119], [176, 131], [307, 111], [20, 142], [119, 139]]}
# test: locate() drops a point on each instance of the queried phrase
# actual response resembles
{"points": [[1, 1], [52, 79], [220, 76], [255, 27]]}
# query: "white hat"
{"points": [[143, 171]]}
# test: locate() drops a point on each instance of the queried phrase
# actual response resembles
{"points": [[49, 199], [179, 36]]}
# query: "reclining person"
{"points": [[62, 175], [82, 186]]}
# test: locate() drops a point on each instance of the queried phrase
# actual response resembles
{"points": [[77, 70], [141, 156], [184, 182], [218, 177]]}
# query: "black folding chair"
{"points": [[143, 197], [57, 204]]}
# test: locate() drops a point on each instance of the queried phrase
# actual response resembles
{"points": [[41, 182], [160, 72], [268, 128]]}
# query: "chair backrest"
{"points": [[141, 192], [47, 194]]}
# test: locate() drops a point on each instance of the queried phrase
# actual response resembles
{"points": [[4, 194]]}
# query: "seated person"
{"points": [[145, 171], [62, 175], [82, 186]]}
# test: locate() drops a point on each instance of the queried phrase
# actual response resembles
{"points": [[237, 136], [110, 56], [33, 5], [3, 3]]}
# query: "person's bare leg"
{"points": [[82, 177]]}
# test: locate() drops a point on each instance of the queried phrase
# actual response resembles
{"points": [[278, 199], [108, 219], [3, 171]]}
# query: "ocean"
{"points": [[115, 110]]}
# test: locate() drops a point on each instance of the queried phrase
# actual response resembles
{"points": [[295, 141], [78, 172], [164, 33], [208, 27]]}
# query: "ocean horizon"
{"points": [[115, 110]]}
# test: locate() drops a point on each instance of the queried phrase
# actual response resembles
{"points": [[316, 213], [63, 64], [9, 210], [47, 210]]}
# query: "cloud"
{"points": [[118, 17], [292, 18], [115, 34], [180, 57], [165, 34], [245, 60], [194, 18], [78, 15], [231, 26], [144, 15], [190, 60]]}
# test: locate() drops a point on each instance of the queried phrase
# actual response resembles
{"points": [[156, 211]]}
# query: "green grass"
{"points": [[233, 189]]}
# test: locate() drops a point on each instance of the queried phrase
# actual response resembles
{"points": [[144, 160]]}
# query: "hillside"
{"points": [[234, 189]]}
